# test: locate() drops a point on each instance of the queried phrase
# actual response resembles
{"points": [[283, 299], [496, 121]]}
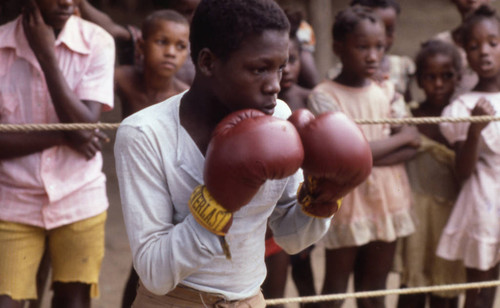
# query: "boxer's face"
{"points": [[250, 76]]}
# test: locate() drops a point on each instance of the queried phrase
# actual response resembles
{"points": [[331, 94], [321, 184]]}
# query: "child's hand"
{"points": [[412, 136], [483, 107], [85, 142], [40, 36]]}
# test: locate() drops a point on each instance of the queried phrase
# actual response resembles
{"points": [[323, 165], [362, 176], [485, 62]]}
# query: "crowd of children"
{"points": [[427, 210]]}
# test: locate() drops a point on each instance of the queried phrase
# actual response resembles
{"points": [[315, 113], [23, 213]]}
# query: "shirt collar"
{"points": [[73, 36], [12, 36]]}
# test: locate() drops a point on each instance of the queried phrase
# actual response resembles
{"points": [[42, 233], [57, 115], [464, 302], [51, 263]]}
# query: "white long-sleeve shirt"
{"points": [[158, 166]]}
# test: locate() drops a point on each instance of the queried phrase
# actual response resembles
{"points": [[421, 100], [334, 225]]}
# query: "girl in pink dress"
{"points": [[362, 237], [472, 233]]}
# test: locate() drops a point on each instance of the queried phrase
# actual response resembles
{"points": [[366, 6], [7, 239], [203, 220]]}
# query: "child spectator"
{"points": [[398, 69], [362, 237], [472, 233], [469, 77], [127, 37], [54, 67], [433, 182], [293, 94], [277, 260], [308, 75], [186, 8], [164, 48], [239, 48]]}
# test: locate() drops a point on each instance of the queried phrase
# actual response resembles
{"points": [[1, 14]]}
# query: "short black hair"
{"points": [[149, 22], [435, 47], [222, 25], [376, 4], [295, 17], [347, 20], [481, 13]]}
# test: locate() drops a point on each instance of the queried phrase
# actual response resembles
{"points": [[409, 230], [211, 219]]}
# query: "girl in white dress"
{"points": [[472, 233]]}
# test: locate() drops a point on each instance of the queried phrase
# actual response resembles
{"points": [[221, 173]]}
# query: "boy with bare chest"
{"points": [[164, 48]]}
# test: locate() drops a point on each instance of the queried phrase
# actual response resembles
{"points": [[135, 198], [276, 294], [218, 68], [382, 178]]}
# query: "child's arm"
{"points": [[14, 145], [92, 14], [394, 150], [41, 39], [403, 142], [400, 155], [467, 152], [308, 75]]}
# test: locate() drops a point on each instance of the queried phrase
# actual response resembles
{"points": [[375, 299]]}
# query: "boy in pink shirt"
{"points": [[54, 67]]}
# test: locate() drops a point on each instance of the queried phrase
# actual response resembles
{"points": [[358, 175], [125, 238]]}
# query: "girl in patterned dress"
{"points": [[362, 237]]}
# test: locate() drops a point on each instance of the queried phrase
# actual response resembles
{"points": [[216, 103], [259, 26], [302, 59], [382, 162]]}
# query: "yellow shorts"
{"points": [[76, 253]]}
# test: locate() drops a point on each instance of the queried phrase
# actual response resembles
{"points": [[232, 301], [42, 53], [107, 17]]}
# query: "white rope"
{"points": [[112, 126], [378, 293], [429, 120], [56, 126]]}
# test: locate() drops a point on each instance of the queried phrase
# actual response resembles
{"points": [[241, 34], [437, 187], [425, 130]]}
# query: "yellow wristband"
{"points": [[208, 212], [307, 210], [306, 200]]}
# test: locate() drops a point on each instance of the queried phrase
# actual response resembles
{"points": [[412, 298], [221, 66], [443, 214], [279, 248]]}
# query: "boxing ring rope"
{"points": [[332, 297], [112, 126], [56, 126], [317, 298]]}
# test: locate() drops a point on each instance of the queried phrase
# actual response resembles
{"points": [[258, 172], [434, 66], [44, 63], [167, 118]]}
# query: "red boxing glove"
{"points": [[247, 148], [337, 158]]}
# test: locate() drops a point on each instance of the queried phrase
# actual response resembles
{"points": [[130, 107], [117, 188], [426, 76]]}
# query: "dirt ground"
{"points": [[419, 20]]}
